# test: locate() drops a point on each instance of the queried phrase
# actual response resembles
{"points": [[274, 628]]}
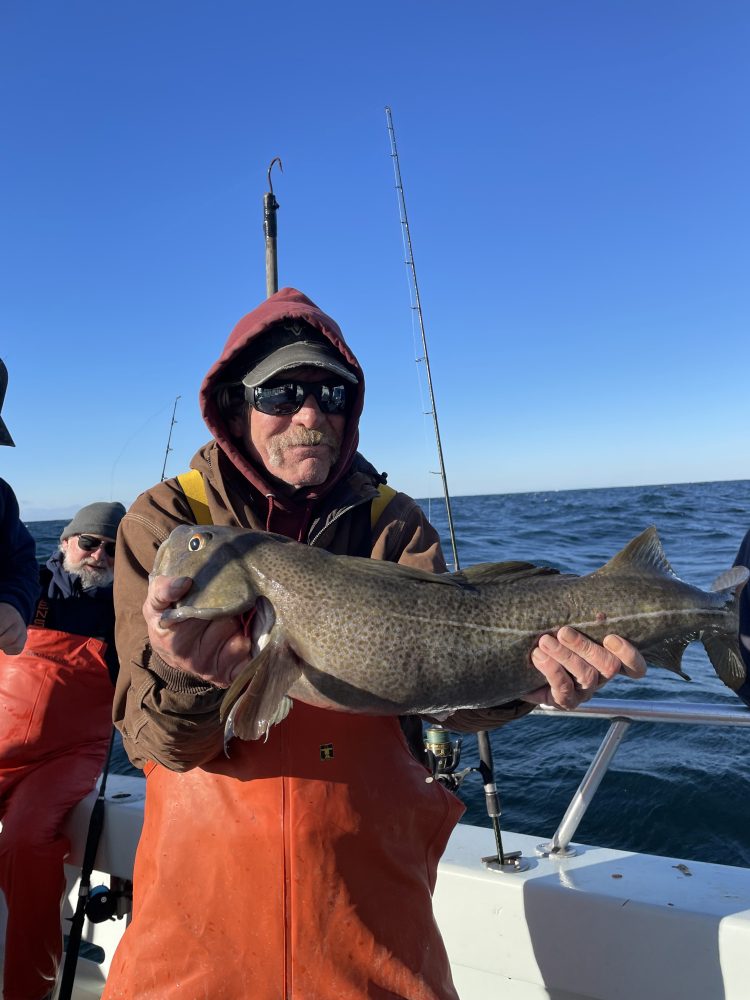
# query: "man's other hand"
{"points": [[575, 666]]}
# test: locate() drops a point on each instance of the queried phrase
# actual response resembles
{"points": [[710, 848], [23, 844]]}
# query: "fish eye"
{"points": [[196, 542]]}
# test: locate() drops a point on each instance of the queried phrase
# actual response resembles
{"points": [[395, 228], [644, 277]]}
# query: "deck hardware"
{"points": [[512, 862]]}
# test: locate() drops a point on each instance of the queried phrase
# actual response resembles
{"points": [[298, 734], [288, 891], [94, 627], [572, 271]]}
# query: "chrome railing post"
{"points": [[559, 845]]}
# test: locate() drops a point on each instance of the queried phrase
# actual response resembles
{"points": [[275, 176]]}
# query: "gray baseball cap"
{"points": [[286, 349], [5, 437]]}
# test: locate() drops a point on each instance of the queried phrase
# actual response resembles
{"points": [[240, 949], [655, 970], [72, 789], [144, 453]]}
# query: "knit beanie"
{"points": [[97, 519]]}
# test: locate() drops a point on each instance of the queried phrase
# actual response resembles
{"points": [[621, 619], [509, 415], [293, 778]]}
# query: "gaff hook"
{"points": [[270, 207], [276, 159]]}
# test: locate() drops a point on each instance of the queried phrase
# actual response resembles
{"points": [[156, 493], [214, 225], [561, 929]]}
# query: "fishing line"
{"points": [[129, 441]]}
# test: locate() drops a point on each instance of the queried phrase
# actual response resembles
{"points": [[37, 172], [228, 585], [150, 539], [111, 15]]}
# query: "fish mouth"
{"points": [[184, 612]]}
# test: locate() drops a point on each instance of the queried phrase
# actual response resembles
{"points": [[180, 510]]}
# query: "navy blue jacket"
{"points": [[19, 572], [743, 559]]}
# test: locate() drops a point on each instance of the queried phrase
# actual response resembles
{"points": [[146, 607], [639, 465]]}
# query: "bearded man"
{"points": [[55, 724]]}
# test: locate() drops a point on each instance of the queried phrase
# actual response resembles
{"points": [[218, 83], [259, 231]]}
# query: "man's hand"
{"points": [[215, 651], [576, 667], [12, 630]]}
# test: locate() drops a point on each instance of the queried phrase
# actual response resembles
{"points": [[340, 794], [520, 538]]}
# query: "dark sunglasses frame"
{"points": [[276, 399], [88, 543]]}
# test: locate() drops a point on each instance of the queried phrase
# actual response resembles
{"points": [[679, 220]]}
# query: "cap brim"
{"points": [[304, 355]]}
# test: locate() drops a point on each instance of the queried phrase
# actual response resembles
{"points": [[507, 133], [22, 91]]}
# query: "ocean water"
{"points": [[676, 790]]}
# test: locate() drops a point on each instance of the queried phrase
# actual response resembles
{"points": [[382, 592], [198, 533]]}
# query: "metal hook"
{"points": [[276, 159]]}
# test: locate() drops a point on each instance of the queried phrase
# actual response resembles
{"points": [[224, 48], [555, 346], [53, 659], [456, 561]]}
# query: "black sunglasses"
{"points": [[90, 544], [281, 399]]}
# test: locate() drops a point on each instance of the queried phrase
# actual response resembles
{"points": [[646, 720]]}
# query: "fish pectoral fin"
{"points": [[667, 653], [724, 653], [258, 698]]}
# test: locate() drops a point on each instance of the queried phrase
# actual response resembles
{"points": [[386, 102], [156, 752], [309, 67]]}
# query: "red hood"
{"points": [[287, 303]]}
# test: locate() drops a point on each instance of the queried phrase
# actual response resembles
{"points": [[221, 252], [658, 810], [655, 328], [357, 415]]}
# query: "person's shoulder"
{"points": [[7, 496], [743, 555]]}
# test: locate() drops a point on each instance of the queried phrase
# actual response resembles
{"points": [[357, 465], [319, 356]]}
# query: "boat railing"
{"points": [[622, 713]]}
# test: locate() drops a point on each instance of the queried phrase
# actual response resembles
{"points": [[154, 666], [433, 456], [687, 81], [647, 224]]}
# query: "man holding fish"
{"points": [[301, 865]]}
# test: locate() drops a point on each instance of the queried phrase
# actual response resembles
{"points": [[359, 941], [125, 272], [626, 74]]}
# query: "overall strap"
{"points": [[380, 502], [195, 491]]}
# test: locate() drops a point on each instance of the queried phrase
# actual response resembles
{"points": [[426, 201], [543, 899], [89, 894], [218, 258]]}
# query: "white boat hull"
{"points": [[604, 925]]}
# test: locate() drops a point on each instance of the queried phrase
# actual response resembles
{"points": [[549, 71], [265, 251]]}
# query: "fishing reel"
{"points": [[110, 902], [443, 753]]}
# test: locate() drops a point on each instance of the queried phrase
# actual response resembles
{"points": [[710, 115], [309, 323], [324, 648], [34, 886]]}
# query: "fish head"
{"points": [[218, 560]]}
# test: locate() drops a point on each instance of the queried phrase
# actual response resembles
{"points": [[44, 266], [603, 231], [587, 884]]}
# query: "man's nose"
{"points": [[309, 414]]}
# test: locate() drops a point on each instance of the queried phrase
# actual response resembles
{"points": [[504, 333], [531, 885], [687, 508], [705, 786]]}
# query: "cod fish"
{"points": [[363, 635]]}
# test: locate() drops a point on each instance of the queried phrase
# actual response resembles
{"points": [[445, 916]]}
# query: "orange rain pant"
{"points": [[55, 722], [301, 868]]}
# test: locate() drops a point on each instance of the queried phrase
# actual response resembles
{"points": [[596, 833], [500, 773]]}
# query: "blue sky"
{"points": [[576, 177]]}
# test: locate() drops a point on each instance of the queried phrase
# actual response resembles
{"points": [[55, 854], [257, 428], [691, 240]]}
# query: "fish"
{"points": [[368, 636]]}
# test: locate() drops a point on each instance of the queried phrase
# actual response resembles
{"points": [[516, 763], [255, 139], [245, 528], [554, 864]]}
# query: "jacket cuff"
{"points": [[473, 720], [178, 681]]}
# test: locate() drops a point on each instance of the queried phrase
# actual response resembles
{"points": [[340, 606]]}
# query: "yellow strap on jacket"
{"points": [[195, 491]]}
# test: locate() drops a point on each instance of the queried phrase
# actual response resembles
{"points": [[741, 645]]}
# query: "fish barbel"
{"points": [[368, 636]]}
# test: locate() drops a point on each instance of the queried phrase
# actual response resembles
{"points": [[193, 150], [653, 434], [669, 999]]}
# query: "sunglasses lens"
{"points": [[277, 400], [90, 544], [332, 399]]}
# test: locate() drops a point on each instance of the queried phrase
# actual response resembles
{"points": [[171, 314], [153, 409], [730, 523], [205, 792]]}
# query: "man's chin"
{"points": [[90, 576], [311, 471], [97, 578]]}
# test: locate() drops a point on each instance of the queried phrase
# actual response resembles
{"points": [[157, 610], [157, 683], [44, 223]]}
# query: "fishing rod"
{"points": [[444, 753], [416, 305], [169, 440], [270, 208], [96, 825]]}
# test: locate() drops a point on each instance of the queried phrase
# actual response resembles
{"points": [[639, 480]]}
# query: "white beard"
{"points": [[90, 576]]}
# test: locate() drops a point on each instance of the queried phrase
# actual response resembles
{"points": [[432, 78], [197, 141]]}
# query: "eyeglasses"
{"points": [[281, 399], [90, 544]]}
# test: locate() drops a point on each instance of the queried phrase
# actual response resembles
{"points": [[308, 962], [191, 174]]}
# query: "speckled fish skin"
{"points": [[368, 636]]}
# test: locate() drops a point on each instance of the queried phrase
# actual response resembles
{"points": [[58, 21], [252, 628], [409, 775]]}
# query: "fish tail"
{"points": [[722, 645], [723, 651]]}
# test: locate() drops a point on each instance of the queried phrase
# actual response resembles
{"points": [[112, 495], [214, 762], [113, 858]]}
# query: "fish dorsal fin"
{"points": [[644, 553], [504, 572], [731, 579], [379, 568]]}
